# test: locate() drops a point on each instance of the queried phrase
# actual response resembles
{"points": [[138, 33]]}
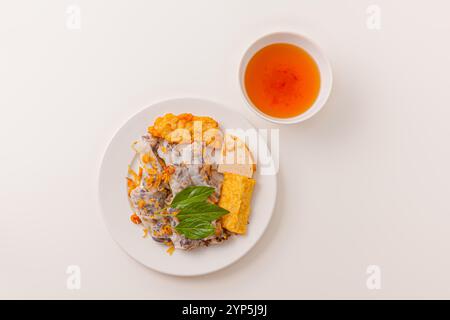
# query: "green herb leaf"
{"points": [[195, 213], [195, 229], [201, 210], [190, 195]]}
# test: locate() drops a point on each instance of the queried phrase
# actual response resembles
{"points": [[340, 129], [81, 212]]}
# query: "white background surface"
{"points": [[366, 181]]}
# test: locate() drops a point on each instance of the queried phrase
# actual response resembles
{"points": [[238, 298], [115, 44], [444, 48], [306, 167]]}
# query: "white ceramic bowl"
{"points": [[326, 77]]}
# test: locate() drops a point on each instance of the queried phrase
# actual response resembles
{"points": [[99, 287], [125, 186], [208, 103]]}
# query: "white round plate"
{"points": [[116, 209]]}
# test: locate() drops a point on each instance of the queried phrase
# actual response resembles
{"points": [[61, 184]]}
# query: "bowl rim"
{"points": [[324, 67]]}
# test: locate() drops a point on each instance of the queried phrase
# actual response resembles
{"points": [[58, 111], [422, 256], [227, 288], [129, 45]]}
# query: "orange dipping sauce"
{"points": [[282, 80]]}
